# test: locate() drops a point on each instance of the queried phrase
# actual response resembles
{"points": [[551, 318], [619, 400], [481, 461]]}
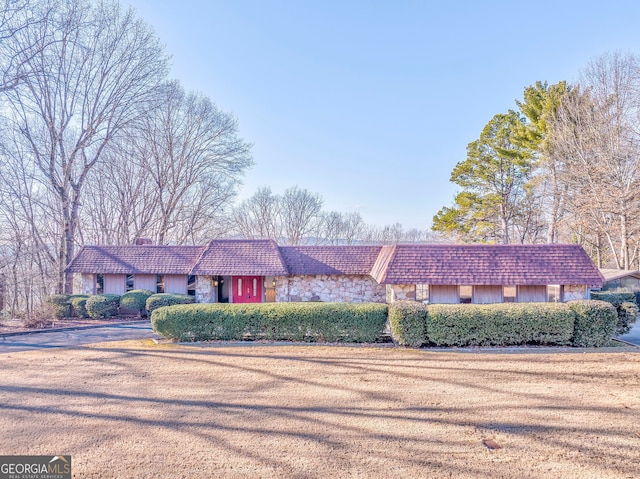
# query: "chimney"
{"points": [[143, 241]]}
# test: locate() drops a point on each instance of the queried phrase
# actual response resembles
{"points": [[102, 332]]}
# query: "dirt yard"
{"points": [[140, 410]]}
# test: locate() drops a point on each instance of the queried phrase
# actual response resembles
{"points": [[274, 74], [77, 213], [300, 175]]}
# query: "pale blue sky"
{"points": [[372, 103]]}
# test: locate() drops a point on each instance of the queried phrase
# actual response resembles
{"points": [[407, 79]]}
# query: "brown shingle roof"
{"points": [[486, 264], [241, 257], [135, 259], [330, 259], [610, 274]]}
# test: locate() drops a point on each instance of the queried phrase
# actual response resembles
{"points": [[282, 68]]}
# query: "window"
{"points": [[239, 287], [422, 293], [191, 285], [129, 283], [553, 293], [466, 294], [255, 287], [99, 284], [160, 283], [509, 294]]}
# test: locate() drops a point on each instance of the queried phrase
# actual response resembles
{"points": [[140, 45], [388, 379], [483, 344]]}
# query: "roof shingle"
{"points": [[241, 257], [486, 264], [135, 259], [357, 260]]}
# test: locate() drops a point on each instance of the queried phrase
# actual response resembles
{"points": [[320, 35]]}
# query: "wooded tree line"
{"points": [[297, 217], [563, 166], [99, 146]]}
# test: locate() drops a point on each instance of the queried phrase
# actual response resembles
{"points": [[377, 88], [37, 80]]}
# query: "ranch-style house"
{"points": [[256, 271]]}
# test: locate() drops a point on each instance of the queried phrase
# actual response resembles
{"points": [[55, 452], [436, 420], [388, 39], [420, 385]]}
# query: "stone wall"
{"points": [[206, 292], [574, 291], [400, 292], [329, 288]]}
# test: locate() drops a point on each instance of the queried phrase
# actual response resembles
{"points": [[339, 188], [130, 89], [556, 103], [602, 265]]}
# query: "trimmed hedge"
{"points": [[499, 324], [347, 322], [78, 304], [103, 305], [135, 300], [627, 316], [595, 322], [59, 304], [159, 300], [408, 323], [624, 302]]}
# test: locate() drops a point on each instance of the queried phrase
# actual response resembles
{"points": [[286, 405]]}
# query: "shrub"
{"points": [[595, 322], [135, 300], [78, 304], [408, 323], [159, 300], [346, 322], [103, 305], [499, 324], [59, 305], [627, 314]]}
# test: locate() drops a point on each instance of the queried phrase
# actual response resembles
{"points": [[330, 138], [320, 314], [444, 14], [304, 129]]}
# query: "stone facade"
{"points": [[400, 292], [206, 292], [574, 291], [328, 288]]}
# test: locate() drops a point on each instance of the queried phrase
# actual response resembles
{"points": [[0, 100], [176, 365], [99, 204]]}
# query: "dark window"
{"points": [[99, 284], [466, 294], [422, 293], [129, 285], [160, 283], [191, 285]]}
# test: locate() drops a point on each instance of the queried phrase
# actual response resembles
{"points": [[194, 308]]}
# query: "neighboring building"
{"points": [[621, 279], [245, 271]]}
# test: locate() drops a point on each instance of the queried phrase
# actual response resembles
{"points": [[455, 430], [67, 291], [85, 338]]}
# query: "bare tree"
{"points": [[340, 228], [596, 136], [172, 176], [259, 216], [88, 72], [300, 213]]}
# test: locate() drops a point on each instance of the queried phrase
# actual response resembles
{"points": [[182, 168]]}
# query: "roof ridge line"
{"points": [[205, 248]]}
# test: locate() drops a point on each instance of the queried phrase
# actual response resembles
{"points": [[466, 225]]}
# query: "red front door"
{"points": [[247, 289]]}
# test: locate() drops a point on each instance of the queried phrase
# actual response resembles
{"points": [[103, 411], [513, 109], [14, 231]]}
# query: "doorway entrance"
{"points": [[247, 289]]}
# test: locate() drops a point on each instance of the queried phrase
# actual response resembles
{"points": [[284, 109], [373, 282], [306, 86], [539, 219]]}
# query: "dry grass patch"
{"points": [[139, 410]]}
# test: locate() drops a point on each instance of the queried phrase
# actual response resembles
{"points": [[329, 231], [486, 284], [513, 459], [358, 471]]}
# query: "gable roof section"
{"points": [[135, 259], [486, 264], [241, 257], [611, 274], [356, 260]]}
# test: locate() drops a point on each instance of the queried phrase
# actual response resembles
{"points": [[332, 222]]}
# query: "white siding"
{"points": [[114, 283], [175, 283], [532, 294], [145, 281], [444, 294], [486, 294]]}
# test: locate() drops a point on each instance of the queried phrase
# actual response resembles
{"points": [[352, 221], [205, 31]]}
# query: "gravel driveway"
{"points": [[140, 410]]}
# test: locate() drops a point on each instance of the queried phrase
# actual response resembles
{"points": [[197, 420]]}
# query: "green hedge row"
{"points": [[626, 307], [348, 322], [582, 323], [167, 299], [595, 322], [499, 324], [579, 323], [408, 323]]}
